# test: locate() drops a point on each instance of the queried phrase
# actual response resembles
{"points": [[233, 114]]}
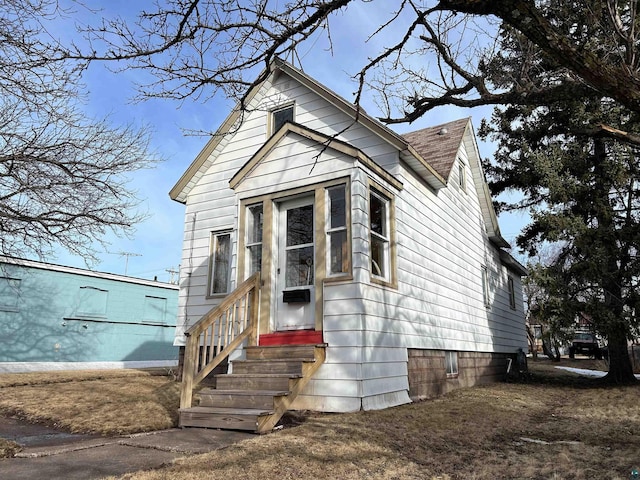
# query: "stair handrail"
{"points": [[228, 325]]}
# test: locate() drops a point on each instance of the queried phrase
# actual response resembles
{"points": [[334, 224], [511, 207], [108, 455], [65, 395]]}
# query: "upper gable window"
{"points": [[281, 116], [462, 176]]}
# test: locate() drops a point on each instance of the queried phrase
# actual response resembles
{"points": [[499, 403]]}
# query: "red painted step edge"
{"points": [[297, 337]]}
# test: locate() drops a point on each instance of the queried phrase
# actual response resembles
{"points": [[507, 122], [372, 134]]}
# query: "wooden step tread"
{"points": [[260, 375], [267, 361], [226, 411], [287, 346], [266, 393]]}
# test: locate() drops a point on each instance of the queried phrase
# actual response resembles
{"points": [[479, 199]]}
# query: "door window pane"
{"points": [[300, 226], [299, 267]]}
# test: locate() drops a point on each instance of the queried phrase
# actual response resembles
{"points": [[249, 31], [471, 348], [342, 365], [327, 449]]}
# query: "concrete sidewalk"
{"points": [[52, 454]]}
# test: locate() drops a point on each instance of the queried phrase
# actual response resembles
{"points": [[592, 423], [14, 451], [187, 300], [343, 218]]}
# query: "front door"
{"points": [[295, 266]]}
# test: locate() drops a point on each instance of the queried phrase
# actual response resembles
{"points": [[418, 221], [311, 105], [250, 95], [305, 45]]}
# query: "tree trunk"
{"points": [[532, 342], [620, 368]]}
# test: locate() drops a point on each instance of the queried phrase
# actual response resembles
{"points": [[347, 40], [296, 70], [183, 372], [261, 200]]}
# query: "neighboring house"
{"points": [[54, 317], [384, 247]]}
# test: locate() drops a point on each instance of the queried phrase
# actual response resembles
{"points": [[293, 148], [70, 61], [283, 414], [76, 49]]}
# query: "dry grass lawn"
{"points": [[558, 426], [103, 402]]}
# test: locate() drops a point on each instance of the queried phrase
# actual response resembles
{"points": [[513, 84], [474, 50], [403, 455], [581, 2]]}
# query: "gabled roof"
{"points": [[428, 154], [323, 141], [439, 145], [197, 168]]}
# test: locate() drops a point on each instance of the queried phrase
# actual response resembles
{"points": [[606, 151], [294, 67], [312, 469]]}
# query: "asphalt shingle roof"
{"points": [[439, 145]]}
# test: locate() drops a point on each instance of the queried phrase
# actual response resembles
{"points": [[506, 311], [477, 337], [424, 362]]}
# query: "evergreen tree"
{"points": [[583, 192]]}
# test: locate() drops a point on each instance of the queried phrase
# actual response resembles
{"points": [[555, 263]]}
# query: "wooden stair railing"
{"points": [[218, 333]]}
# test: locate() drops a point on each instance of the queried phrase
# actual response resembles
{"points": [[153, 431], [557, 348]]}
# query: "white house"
{"points": [[384, 248]]}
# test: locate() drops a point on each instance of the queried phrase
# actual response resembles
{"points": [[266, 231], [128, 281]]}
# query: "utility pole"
{"points": [[173, 272]]}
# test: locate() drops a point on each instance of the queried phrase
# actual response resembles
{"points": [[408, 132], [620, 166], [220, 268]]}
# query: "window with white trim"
{"points": [[337, 230], [485, 286], [280, 116], [451, 363], [220, 263], [512, 293], [254, 238], [379, 234]]}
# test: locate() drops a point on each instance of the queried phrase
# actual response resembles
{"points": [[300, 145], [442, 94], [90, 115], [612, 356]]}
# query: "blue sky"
{"points": [[157, 242]]}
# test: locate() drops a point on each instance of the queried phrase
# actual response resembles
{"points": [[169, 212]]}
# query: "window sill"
{"points": [[384, 283], [347, 277], [216, 296]]}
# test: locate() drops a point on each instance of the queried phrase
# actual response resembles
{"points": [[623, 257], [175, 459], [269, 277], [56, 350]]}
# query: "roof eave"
{"points": [[508, 260]]}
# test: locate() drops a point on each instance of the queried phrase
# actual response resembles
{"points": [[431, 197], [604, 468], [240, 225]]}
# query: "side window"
{"points": [[379, 234], [220, 262], [9, 294], [155, 309], [337, 232], [485, 286], [254, 237], [279, 117], [512, 293], [451, 363]]}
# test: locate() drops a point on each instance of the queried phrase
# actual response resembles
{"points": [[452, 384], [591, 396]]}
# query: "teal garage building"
{"points": [[54, 317]]}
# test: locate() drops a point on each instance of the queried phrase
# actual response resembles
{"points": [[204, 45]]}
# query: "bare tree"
{"points": [[201, 47], [63, 175]]}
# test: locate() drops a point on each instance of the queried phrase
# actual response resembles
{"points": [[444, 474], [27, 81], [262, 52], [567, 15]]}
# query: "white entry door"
{"points": [[295, 267]]}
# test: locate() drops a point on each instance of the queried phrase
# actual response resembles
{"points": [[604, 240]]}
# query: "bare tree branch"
{"points": [[63, 175]]}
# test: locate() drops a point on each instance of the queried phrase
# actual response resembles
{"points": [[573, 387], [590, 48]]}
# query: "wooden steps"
{"points": [[259, 391]]}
